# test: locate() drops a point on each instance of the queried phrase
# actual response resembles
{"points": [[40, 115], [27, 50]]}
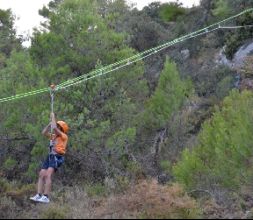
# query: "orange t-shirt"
{"points": [[60, 143]]}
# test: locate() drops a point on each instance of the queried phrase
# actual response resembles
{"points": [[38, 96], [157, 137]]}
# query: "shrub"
{"points": [[96, 189], [122, 182], [221, 9], [134, 169], [168, 97], [54, 212], [148, 199], [225, 147], [3, 185], [21, 194], [165, 166], [171, 11], [10, 164], [8, 208]]}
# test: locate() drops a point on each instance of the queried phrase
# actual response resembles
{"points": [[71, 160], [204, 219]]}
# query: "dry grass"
{"points": [[150, 200], [147, 199]]}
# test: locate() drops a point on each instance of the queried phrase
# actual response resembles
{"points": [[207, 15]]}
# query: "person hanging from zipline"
{"points": [[57, 149]]}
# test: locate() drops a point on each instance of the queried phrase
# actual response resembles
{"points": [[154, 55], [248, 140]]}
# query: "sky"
{"points": [[27, 17]]}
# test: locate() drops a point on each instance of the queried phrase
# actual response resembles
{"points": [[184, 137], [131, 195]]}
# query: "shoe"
{"points": [[35, 198], [43, 199]]}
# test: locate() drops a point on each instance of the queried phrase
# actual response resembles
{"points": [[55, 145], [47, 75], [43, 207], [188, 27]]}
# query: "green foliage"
{"points": [[101, 112], [224, 146], [233, 44], [222, 9], [4, 185], [165, 166], [32, 171], [225, 8], [217, 81], [122, 138], [168, 97], [134, 168], [224, 87], [96, 190], [8, 40], [55, 212], [10, 164], [123, 183], [171, 11]]}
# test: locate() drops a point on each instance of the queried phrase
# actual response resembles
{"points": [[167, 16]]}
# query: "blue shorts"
{"points": [[53, 161]]}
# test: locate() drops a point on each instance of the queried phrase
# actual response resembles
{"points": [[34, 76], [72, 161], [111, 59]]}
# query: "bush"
{"points": [[20, 194], [168, 97], [224, 87], [225, 147], [134, 169], [96, 189], [123, 182], [4, 185], [222, 9], [54, 212], [10, 164], [171, 11], [165, 166], [8, 208], [148, 199]]}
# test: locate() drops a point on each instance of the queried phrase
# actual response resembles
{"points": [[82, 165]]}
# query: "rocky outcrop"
{"points": [[239, 57]]}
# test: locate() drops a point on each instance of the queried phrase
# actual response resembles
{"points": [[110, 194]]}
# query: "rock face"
{"points": [[185, 54], [239, 57], [237, 63], [241, 54]]}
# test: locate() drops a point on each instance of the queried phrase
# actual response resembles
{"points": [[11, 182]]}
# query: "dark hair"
{"points": [[60, 128]]}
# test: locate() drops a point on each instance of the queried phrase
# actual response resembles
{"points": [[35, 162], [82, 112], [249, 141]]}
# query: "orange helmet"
{"points": [[64, 126]]}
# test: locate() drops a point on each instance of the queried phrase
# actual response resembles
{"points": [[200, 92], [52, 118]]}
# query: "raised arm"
{"points": [[45, 131], [54, 125]]}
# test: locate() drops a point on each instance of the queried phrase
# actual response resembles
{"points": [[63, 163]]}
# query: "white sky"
{"points": [[27, 11]]}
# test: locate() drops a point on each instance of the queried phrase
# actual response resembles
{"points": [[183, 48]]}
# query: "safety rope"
{"points": [[51, 144], [128, 61]]}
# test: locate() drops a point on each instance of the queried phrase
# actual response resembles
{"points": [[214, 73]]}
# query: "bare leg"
{"points": [[41, 181], [48, 180]]}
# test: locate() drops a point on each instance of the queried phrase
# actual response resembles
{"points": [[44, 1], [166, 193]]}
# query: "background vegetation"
{"points": [[171, 132]]}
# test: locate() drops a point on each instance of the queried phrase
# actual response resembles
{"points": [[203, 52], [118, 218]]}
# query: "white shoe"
{"points": [[43, 199], [35, 198]]}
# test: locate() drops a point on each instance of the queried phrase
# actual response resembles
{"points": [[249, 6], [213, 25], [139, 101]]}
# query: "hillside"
{"points": [[158, 101]]}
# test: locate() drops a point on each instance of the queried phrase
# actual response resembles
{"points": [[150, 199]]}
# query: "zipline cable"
{"points": [[122, 66], [128, 61]]}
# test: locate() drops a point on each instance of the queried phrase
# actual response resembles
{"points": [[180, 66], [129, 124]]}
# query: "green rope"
{"points": [[125, 62]]}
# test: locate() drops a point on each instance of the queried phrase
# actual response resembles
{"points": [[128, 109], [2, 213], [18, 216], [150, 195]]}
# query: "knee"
{"points": [[48, 176], [42, 174]]}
